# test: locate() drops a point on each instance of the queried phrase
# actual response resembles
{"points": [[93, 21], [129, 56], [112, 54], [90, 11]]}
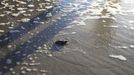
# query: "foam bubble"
{"points": [[120, 57]]}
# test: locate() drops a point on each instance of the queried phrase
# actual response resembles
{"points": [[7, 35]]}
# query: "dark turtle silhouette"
{"points": [[62, 43]]}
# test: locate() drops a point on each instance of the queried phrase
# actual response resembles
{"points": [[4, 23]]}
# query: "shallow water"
{"points": [[100, 35]]}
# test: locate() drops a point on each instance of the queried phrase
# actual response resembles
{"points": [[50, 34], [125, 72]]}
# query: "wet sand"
{"points": [[100, 42]]}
